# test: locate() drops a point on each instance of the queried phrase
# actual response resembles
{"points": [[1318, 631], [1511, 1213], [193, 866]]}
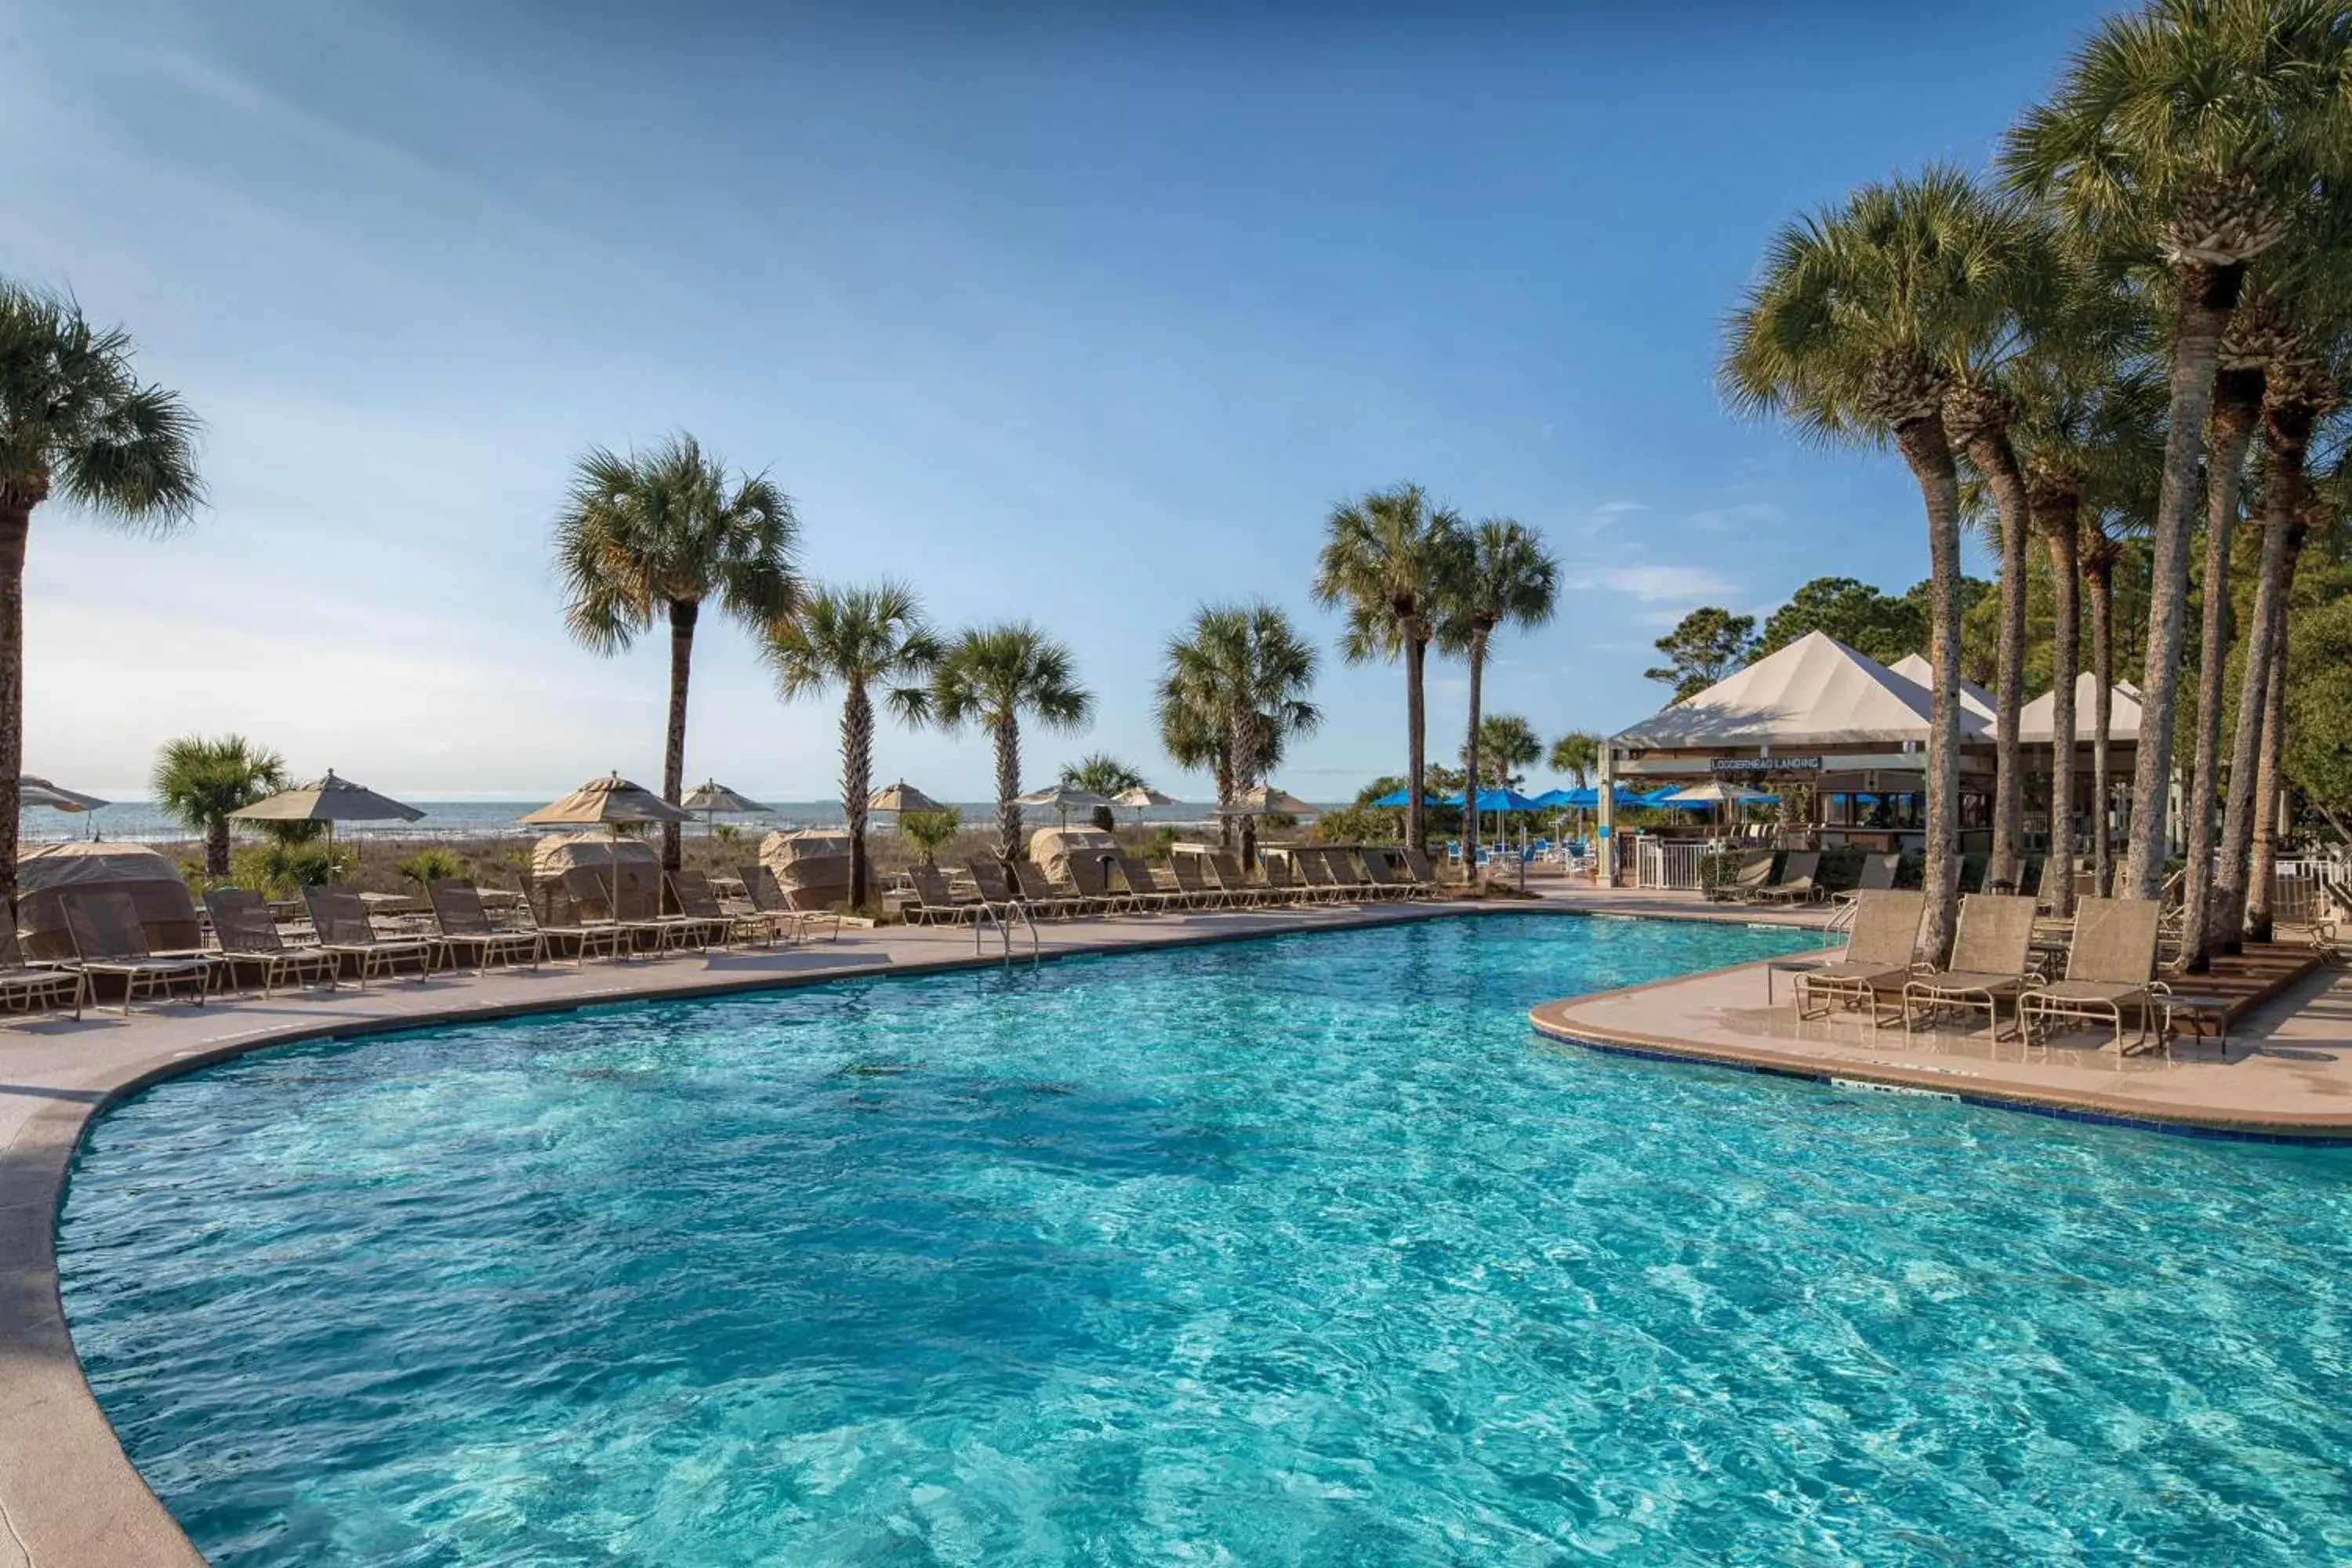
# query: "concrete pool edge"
{"points": [[70, 1497], [1569, 1020]]}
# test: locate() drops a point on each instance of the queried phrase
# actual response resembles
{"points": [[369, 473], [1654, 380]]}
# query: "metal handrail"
{"points": [[988, 912]]}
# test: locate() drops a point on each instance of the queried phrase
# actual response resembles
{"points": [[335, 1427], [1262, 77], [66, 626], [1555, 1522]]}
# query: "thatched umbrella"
{"points": [[610, 799], [1265, 800], [1141, 798], [710, 797], [1064, 798], [328, 800], [901, 796]]}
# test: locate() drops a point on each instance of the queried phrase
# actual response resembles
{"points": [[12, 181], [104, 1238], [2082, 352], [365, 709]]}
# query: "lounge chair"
{"points": [[1317, 871], [346, 930], [1877, 957], [1039, 897], [935, 901], [704, 925], [1186, 869], [1284, 888], [1755, 871], [26, 987], [1989, 955], [2110, 965], [247, 934], [697, 900], [107, 940], [1877, 877], [1383, 870], [996, 887], [768, 897], [466, 927], [1226, 868], [1143, 889], [574, 914], [1418, 871], [1796, 883], [1090, 876]]}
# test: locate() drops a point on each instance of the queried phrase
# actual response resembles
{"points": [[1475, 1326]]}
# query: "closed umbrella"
{"points": [[328, 800], [607, 800]]}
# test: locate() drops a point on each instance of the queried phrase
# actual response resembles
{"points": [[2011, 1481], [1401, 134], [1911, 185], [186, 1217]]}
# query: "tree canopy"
{"points": [[1706, 646]]}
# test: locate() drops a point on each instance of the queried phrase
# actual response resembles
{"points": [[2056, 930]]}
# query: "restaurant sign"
{"points": [[1765, 765]]}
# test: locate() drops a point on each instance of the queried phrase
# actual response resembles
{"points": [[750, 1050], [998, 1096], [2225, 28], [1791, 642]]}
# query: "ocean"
{"points": [[138, 821]]}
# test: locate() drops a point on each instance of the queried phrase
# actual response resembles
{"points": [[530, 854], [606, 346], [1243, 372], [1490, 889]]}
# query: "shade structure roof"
{"points": [[31, 791], [2038, 720], [1814, 692], [609, 799], [900, 796], [328, 799], [713, 796], [1974, 698], [1265, 798], [1063, 797], [1142, 795]]}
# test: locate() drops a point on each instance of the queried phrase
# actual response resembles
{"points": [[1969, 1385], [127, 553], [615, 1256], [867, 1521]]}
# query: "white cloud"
{"points": [[1653, 581], [1735, 518]]}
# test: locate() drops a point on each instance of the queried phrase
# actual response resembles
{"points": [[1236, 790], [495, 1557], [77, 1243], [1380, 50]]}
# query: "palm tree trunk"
{"points": [[1008, 787], [2207, 296], [2237, 404], [217, 847], [857, 781], [1995, 457], [1929, 453], [2286, 436], [2056, 516], [1470, 759], [2270, 780], [16, 528], [682, 615], [2102, 582], [1416, 655]]}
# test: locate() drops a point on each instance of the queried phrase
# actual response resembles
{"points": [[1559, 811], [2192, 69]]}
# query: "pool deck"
{"points": [[69, 1498], [2284, 1073]]}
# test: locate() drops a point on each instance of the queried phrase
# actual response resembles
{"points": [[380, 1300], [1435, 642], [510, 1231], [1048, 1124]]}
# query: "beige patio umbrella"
{"points": [[328, 800], [1266, 799], [901, 796], [610, 799], [1141, 798], [712, 799], [31, 791], [1064, 798]]}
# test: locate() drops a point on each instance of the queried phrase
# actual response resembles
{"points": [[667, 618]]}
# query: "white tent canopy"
{"points": [[1814, 692], [2037, 720], [1974, 698]]}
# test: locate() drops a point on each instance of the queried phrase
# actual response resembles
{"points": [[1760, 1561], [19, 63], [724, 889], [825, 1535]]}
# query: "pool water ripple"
{"points": [[1301, 1251]]}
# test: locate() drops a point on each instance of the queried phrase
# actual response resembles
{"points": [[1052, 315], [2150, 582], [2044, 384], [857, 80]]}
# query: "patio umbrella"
{"points": [[607, 800], [1397, 797], [328, 800], [1140, 799], [1716, 795], [1265, 800], [31, 791], [901, 796], [710, 797], [1064, 799]]}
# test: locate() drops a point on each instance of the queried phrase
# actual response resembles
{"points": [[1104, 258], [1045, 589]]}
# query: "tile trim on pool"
{"points": [[70, 1498]]}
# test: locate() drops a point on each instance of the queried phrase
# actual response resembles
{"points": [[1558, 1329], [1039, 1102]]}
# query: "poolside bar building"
{"points": [[1842, 741]]}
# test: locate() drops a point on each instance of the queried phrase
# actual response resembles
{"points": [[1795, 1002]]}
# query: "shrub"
{"points": [[432, 865], [930, 831], [281, 870]]}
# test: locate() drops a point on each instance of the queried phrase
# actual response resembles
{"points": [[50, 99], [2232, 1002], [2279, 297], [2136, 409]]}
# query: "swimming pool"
{"points": [[1302, 1251]]}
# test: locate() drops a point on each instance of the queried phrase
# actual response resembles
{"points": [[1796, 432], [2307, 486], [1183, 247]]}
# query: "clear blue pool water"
{"points": [[1298, 1252]]}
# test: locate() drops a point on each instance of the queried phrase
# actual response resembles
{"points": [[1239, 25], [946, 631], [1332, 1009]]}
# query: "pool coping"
{"points": [[70, 1497], [1565, 1020]]}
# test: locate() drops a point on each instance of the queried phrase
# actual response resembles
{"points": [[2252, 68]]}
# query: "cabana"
{"points": [[812, 867], [47, 872]]}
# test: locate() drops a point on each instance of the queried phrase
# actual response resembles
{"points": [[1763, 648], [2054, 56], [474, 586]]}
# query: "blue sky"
{"points": [[1086, 314]]}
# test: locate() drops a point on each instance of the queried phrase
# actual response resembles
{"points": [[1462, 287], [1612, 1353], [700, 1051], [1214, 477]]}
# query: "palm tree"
{"points": [[1577, 756], [198, 782], [858, 639], [1243, 675], [1507, 747], [2188, 134], [1506, 577], [666, 531], [76, 423], [1099, 773], [1387, 558], [991, 675], [1853, 332]]}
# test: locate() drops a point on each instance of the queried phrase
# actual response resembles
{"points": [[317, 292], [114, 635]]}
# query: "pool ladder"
{"points": [[991, 915]]}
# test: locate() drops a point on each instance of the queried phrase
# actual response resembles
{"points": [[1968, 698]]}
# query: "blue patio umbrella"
{"points": [[1396, 797], [1553, 797]]}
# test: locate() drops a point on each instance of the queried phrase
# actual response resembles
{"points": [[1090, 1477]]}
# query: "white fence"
{"points": [[1668, 863]]}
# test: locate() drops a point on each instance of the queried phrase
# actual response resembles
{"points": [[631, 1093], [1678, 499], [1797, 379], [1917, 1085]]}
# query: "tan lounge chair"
{"points": [[1039, 897], [1877, 958], [1990, 952], [935, 903], [767, 896], [107, 940], [1090, 875], [574, 914], [2110, 965], [1755, 871], [1796, 883], [1282, 886], [1315, 869], [1226, 867], [1143, 889], [26, 987], [345, 929], [697, 900], [1186, 871], [1877, 877], [1381, 866], [996, 887], [1418, 872], [247, 934], [466, 927]]}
